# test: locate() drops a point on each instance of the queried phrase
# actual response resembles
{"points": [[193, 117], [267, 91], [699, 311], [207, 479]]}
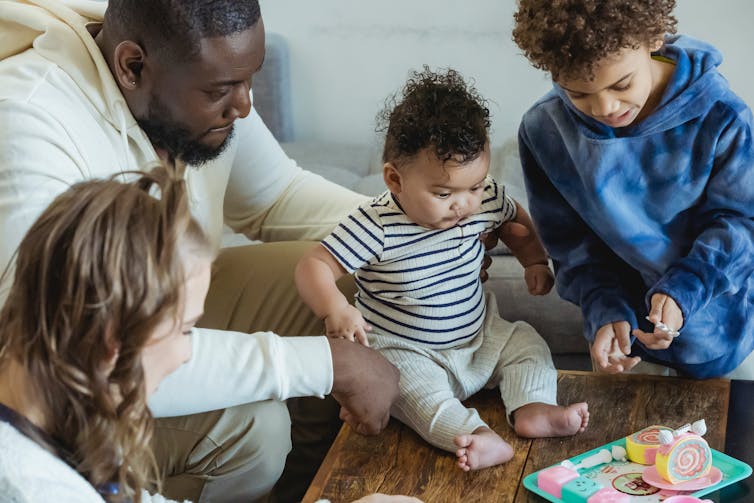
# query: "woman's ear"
{"points": [[392, 177]]}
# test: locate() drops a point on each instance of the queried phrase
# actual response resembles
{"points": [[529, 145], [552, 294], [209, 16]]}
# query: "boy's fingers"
{"points": [[630, 363], [656, 311], [600, 350], [655, 340], [623, 337]]}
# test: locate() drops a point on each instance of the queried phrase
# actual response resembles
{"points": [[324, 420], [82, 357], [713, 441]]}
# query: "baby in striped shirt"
{"points": [[416, 253]]}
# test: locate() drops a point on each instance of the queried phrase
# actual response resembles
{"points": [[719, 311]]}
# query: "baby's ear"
{"points": [[392, 177], [655, 46]]}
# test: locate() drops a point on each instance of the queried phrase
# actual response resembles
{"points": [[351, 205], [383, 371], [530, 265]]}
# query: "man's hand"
{"points": [[539, 279], [611, 348], [365, 385], [664, 310], [348, 323]]}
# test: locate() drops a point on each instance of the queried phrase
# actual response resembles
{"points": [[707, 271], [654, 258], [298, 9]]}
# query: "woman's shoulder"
{"points": [[31, 473]]}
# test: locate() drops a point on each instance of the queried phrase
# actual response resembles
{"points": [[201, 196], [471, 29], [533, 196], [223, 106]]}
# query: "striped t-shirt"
{"points": [[416, 283]]}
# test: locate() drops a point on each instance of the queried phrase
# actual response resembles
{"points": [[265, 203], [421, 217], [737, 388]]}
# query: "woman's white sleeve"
{"points": [[233, 368]]}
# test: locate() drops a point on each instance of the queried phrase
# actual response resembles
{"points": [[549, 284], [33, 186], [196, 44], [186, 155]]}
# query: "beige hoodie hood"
{"points": [[58, 32]]}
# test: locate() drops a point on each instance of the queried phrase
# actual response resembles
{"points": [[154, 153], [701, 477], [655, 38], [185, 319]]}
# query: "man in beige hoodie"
{"points": [[86, 93]]}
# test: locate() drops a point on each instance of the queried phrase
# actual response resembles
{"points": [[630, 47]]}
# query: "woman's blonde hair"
{"points": [[96, 273]]}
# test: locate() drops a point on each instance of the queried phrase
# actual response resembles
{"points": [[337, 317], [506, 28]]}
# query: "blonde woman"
{"points": [[109, 282]]}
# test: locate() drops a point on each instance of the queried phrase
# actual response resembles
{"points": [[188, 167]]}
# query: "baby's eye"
{"points": [[622, 87], [576, 96], [442, 195], [476, 189]]}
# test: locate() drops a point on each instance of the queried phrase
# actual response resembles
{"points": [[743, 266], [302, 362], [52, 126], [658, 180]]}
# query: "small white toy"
{"points": [[602, 456], [619, 453], [664, 328]]}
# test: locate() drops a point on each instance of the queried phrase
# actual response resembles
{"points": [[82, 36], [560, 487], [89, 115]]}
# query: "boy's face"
{"points": [[625, 88], [438, 195]]}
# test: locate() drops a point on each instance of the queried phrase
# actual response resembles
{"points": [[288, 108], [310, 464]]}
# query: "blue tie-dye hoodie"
{"points": [[663, 205]]}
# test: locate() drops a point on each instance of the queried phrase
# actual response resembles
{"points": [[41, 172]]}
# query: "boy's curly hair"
{"points": [[437, 110], [569, 37]]}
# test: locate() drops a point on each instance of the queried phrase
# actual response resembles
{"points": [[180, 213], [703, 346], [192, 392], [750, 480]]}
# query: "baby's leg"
{"points": [[528, 386], [427, 404]]}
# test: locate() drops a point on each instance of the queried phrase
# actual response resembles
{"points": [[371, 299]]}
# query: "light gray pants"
{"points": [[511, 356]]}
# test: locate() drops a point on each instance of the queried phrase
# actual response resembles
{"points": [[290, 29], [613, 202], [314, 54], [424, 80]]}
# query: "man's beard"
{"points": [[168, 134]]}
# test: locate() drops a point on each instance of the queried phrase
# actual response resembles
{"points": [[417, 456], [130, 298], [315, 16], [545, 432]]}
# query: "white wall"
{"points": [[348, 55]]}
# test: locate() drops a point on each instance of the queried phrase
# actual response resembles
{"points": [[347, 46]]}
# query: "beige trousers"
{"points": [[238, 454]]}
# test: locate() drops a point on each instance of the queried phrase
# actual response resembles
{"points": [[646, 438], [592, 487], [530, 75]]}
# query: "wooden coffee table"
{"points": [[399, 462]]}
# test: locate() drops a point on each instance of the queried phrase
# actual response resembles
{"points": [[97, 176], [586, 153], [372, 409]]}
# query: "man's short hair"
{"points": [[178, 26]]}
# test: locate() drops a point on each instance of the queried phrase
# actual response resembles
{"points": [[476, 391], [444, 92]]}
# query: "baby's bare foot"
{"points": [[481, 449], [535, 420]]}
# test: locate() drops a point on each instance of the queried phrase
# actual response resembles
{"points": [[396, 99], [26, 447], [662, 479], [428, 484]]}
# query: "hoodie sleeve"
{"points": [[270, 198], [721, 258], [244, 368], [587, 272], [38, 161]]}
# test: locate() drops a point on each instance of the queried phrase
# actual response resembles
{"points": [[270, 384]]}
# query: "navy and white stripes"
{"points": [[416, 283]]}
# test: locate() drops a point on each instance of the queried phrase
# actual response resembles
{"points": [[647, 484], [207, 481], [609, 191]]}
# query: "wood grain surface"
{"points": [[399, 462]]}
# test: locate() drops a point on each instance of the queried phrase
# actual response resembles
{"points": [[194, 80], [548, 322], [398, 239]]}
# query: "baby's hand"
{"points": [[611, 348], [349, 324], [539, 279], [664, 310]]}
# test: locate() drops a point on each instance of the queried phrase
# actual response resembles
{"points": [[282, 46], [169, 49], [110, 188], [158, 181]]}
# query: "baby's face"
{"points": [[438, 195], [625, 88]]}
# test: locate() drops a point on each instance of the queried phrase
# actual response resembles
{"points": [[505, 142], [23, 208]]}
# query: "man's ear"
{"points": [[392, 177], [128, 63]]}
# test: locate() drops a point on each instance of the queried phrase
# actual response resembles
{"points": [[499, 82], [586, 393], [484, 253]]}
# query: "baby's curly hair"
{"points": [[569, 37], [437, 110]]}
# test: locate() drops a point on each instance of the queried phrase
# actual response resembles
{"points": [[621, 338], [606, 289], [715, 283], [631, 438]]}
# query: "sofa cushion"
{"points": [[556, 320]]}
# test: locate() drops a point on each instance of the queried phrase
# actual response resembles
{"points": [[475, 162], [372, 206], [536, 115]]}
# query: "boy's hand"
{"points": [[611, 348], [539, 279], [348, 323], [664, 310]]}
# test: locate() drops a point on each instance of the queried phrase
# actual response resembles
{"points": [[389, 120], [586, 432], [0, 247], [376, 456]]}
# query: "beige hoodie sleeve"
{"points": [[37, 162], [270, 198]]}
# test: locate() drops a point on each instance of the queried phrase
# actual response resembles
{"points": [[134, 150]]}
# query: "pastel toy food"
{"points": [[641, 446], [687, 457], [579, 490], [608, 495], [552, 480]]}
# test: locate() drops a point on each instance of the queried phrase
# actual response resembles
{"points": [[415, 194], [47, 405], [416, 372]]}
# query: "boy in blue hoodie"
{"points": [[639, 166]]}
